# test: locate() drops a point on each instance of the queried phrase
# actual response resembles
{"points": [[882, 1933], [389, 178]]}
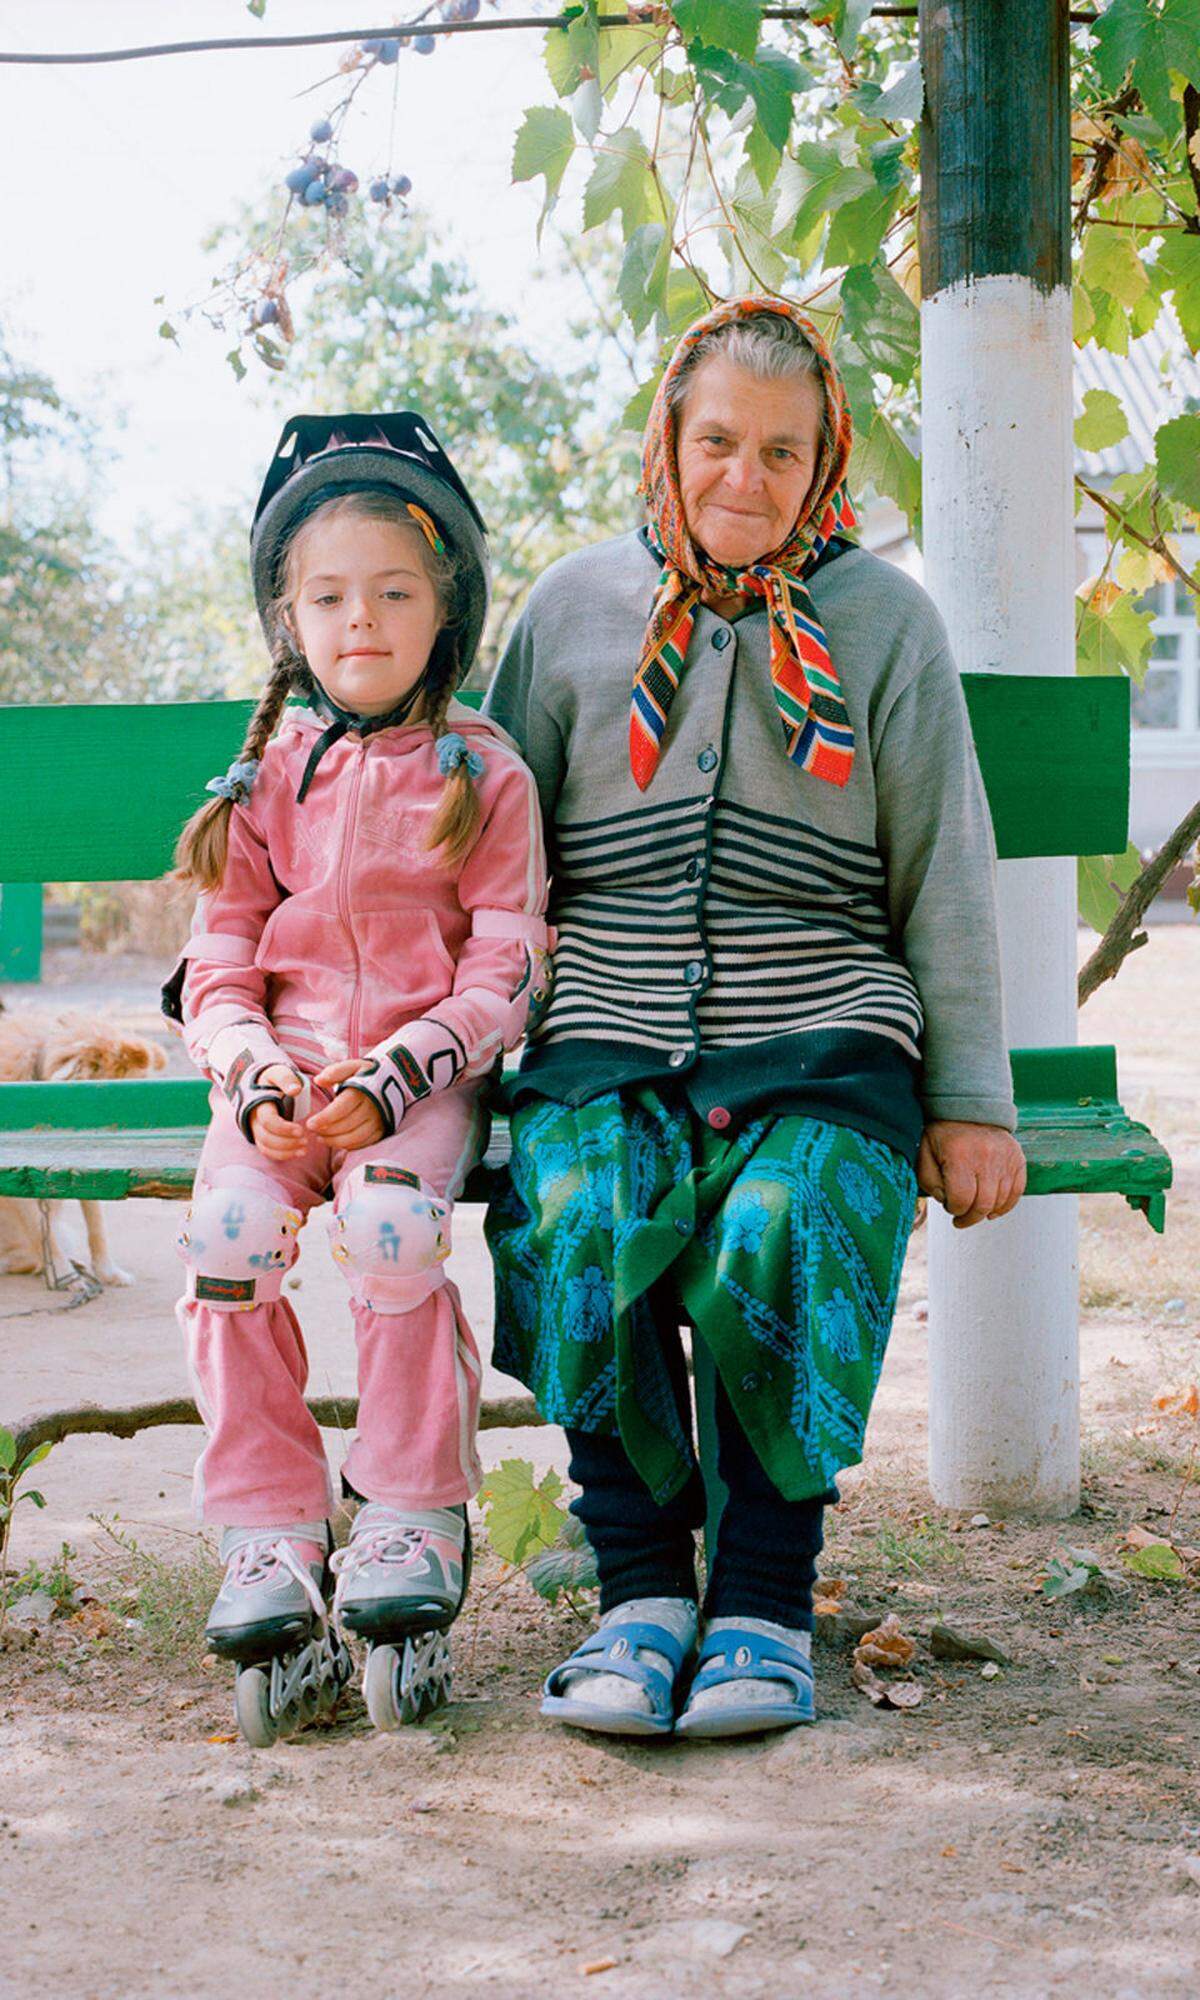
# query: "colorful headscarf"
{"points": [[816, 728]]}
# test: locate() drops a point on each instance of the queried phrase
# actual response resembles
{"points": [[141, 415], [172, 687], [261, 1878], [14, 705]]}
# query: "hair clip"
{"points": [[452, 751], [427, 528], [238, 781]]}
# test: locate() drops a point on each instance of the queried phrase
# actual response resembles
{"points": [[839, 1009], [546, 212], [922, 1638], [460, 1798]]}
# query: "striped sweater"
{"points": [[753, 933]]}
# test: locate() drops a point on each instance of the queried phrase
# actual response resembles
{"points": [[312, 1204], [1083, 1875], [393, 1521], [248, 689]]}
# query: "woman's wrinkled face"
{"points": [[747, 453], [364, 609]]}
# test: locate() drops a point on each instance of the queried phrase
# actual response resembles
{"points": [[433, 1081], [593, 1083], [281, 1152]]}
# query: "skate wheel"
{"points": [[381, 1689], [252, 1707]]}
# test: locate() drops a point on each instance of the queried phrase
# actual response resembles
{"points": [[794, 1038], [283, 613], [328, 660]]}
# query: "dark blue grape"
{"points": [[401, 185], [425, 45], [314, 193], [320, 130], [337, 204], [343, 180], [389, 51], [298, 179], [467, 10], [371, 47], [265, 313], [379, 189]]}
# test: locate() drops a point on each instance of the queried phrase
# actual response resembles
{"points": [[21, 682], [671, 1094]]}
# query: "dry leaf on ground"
{"points": [[886, 1646], [1180, 1402], [885, 1694], [95, 1621]]}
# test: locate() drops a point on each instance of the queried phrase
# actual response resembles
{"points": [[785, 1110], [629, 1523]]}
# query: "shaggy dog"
{"points": [[60, 1048]]}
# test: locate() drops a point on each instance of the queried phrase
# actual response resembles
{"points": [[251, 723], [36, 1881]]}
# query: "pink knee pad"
{"points": [[392, 1234], [237, 1243]]}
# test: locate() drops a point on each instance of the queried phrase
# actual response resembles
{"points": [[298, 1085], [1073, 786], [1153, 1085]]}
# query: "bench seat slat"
{"points": [[1075, 1134]]}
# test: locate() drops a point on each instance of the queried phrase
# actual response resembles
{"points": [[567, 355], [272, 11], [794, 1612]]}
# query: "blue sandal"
{"points": [[618, 1649], [739, 1655]]}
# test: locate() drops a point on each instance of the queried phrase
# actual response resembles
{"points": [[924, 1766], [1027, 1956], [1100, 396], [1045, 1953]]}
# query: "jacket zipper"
{"points": [[343, 900]]}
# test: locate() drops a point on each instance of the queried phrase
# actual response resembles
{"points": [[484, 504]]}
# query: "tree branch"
{"points": [[1191, 130], [1125, 934], [331, 1412], [1157, 544]]}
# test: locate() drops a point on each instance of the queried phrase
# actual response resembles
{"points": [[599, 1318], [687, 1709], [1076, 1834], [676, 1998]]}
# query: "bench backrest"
{"points": [[98, 794]]}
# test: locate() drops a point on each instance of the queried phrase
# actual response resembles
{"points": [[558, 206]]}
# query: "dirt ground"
{"points": [[1024, 1832]]}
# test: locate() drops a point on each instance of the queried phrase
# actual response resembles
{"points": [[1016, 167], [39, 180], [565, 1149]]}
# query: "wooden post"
{"points": [[997, 475], [21, 931]]}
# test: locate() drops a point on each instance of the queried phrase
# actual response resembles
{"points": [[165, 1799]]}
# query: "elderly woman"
{"points": [[776, 1014]]}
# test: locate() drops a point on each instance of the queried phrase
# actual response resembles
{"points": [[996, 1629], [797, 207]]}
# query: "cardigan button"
{"points": [[693, 971], [718, 1117], [692, 872], [708, 759], [721, 638], [678, 1057]]}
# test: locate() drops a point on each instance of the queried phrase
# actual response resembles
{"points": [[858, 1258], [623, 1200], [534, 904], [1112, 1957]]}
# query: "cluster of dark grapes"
{"points": [[318, 182]]}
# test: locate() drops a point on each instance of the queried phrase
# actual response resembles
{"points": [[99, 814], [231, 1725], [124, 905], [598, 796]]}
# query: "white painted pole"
{"points": [[996, 437]]}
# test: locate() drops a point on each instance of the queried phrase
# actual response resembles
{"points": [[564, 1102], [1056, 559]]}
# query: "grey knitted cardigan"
{"points": [[744, 930]]}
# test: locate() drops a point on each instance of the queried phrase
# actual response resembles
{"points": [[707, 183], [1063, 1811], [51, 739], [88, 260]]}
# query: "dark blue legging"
{"points": [[767, 1547]]}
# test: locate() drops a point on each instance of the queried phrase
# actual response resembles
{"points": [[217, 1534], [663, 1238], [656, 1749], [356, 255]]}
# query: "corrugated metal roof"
{"points": [[1157, 379]]}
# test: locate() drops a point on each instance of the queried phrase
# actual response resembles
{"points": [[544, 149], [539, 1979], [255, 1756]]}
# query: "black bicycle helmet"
{"points": [[319, 458]]}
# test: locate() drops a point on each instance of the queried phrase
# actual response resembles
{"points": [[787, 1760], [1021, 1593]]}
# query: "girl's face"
{"points": [[365, 611]]}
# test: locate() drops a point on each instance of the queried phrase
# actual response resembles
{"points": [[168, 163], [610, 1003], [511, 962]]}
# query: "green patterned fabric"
{"points": [[783, 1244]]}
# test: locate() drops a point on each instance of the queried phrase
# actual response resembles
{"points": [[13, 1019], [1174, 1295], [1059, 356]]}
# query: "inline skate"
{"points": [[401, 1580], [270, 1618]]}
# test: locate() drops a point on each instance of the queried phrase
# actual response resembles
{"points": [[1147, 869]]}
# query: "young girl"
{"points": [[366, 945]]}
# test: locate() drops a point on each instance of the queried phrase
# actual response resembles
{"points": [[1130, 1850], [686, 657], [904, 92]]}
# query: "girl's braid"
{"points": [[204, 843], [456, 821]]}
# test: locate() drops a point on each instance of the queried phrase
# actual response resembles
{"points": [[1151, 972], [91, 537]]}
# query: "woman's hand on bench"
{"points": [[977, 1172]]}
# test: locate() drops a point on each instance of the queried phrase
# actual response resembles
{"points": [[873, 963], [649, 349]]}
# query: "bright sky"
{"points": [[117, 172]]}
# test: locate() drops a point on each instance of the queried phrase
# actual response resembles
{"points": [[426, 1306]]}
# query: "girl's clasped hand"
{"points": [[349, 1123]]}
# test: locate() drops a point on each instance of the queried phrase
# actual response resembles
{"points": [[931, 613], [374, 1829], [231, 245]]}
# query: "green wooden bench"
{"points": [[99, 793]]}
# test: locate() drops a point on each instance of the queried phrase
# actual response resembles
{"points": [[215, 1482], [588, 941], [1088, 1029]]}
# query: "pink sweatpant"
{"points": [[419, 1371]]}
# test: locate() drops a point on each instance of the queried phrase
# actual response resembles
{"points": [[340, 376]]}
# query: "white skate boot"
{"points": [[402, 1578], [269, 1615]]}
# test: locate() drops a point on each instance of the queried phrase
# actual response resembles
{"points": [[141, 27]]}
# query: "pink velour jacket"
{"points": [[336, 932]]}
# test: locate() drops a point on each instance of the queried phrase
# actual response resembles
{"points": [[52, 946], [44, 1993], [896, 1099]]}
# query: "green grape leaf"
{"points": [[763, 159], [771, 80], [8, 1450], [637, 409], [1114, 638], [587, 109], [1103, 422], [882, 459], [624, 49], [686, 300], [1178, 270], [573, 51], [642, 285], [1157, 41], [520, 1516], [621, 179], [1103, 881], [544, 145], [1111, 264], [1177, 459], [721, 24], [859, 227], [1156, 1560], [903, 101], [881, 318], [814, 182], [569, 1568]]}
